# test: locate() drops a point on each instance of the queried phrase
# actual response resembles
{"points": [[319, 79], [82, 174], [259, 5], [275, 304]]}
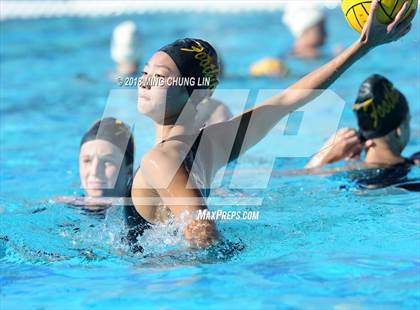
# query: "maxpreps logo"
{"points": [[206, 214], [209, 69]]}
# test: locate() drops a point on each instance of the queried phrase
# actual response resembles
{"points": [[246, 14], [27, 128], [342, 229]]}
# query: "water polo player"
{"points": [[383, 117], [175, 175], [307, 22], [106, 159], [106, 170], [125, 49]]}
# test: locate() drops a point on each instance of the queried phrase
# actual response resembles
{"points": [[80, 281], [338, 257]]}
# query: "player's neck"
{"points": [[381, 153]]}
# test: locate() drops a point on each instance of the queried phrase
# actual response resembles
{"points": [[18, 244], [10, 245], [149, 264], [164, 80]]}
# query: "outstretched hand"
{"points": [[375, 33]]}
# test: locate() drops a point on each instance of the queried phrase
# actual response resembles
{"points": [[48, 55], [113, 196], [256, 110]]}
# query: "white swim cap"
{"points": [[301, 16], [125, 43]]}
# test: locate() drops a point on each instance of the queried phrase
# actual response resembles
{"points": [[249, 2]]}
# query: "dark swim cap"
{"points": [[380, 107], [114, 131], [195, 58]]}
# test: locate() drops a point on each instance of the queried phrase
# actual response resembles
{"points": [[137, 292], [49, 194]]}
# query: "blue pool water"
{"points": [[320, 243]]}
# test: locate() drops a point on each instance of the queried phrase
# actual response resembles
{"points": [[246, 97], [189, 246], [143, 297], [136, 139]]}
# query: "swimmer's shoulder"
{"points": [[155, 165], [149, 170], [380, 176], [162, 158]]}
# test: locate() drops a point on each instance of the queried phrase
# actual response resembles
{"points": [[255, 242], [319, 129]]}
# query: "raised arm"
{"points": [[344, 144], [269, 112]]}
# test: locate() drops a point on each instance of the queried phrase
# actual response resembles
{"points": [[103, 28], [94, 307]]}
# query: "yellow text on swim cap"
{"points": [[209, 69], [388, 104]]}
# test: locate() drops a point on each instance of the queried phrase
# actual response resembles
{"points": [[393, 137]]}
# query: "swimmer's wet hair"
{"points": [[195, 58], [380, 107], [114, 131]]}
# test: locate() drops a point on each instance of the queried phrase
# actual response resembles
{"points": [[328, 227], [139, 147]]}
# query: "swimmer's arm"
{"points": [[263, 117], [179, 194], [268, 113], [344, 144]]}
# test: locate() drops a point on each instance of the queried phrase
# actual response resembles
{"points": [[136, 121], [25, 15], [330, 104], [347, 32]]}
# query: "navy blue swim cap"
{"points": [[380, 107], [114, 131], [195, 58]]}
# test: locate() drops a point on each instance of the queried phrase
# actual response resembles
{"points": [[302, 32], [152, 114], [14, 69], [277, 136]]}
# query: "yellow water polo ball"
{"points": [[357, 11]]}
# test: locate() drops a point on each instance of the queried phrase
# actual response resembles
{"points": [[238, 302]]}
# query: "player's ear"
{"points": [[369, 144]]}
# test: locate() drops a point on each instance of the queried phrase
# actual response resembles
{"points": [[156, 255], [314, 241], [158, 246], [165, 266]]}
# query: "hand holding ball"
{"points": [[357, 11]]}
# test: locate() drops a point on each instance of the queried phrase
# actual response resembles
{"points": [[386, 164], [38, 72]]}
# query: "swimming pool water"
{"points": [[317, 244]]}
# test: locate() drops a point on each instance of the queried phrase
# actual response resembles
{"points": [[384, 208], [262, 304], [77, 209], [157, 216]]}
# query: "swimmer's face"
{"points": [[315, 36], [99, 168], [161, 102]]}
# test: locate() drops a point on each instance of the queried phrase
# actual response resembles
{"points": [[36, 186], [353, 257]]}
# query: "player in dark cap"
{"points": [[106, 170], [383, 118], [106, 159]]}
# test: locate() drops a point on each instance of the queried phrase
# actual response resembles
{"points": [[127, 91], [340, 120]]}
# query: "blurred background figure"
{"points": [[125, 49], [306, 21]]}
